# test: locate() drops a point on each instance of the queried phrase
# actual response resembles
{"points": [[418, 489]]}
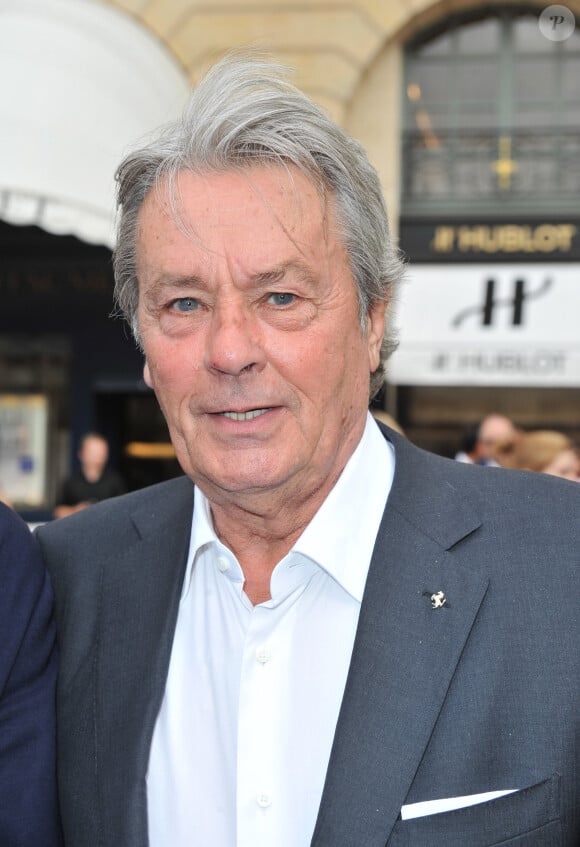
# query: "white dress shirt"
{"points": [[243, 737]]}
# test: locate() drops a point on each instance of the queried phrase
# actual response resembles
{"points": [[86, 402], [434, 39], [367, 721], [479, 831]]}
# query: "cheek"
{"points": [[166, 379], [293, 357], [168, 363]]}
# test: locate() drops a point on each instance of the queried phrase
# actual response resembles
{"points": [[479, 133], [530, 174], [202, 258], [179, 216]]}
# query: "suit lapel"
{"points": [[404, 656], [140, 600]]}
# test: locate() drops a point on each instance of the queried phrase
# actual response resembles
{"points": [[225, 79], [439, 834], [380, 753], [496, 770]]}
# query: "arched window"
{"points": [[491, 117]]}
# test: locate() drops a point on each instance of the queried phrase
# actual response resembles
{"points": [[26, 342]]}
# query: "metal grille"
{"points": [[488, 169]]}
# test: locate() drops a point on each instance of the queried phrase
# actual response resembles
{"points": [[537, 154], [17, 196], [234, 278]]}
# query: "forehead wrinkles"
{"points": [[297, 201], [306, 200]]}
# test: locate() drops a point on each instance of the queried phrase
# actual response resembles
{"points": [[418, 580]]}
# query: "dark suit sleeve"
{"points": [[28, 801]]}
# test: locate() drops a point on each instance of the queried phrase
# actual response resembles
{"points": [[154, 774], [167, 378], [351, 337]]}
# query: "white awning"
{"points": [[82, 83]]}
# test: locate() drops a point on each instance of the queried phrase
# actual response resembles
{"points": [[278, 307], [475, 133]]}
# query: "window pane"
{"points": [[477, 79], [469, 118], [527, 37], [535, 117], [441, 45], [572, 44], [427, 173], [479, 37], [433, 81], [534, 79], [570, 116], [434, 119], [472, 179], [536, 176], [570, 79]]}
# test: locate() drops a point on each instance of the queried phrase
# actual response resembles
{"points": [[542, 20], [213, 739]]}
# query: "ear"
{"points": [[147, 374], [375, 333]]}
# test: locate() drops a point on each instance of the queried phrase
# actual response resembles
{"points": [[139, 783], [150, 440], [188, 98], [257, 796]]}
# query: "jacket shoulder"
{"points": [[524, 513], [490, 490], [101, 531], [114, 511]]}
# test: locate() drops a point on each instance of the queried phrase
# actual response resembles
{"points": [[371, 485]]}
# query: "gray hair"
{"points": [[243, 113]]}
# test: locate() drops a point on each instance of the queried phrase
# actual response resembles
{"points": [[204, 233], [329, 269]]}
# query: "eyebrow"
{"points": [[166, 282], [276, 273]]}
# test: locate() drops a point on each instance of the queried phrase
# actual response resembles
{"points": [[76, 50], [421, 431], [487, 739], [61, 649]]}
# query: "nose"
{"points": [[234, 342]]}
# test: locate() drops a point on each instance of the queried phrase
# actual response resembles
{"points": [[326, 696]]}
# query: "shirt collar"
{"points": [[341, 535], [340, 538]]}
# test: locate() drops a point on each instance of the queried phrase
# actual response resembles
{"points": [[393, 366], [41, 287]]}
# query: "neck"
{"points": [[261, 525], [261, 528]]}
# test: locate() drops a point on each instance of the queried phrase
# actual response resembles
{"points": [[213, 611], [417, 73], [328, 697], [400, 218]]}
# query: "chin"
{"points": [[249, 480]]}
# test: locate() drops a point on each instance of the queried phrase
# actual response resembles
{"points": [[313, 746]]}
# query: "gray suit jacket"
{"points": [[476, 696]]}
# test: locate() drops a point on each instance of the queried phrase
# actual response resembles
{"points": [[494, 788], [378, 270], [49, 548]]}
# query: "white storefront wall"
{"points": [[489, 324]]}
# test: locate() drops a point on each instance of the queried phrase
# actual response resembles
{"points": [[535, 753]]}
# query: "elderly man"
{"points": [[321, 634]]}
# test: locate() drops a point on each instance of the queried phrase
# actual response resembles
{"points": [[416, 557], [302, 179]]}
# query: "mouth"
{"points": [[245, 416]]}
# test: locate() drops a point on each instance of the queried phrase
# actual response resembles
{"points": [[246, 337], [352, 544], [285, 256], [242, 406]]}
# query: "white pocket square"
{"points": [[449, 804]]}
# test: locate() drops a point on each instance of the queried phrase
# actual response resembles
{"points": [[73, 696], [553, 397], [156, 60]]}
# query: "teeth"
{"points": [[245, 416]]}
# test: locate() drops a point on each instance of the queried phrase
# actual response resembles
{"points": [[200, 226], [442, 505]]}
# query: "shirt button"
{"points": [[264, 800], [223, 564], [263, 655]]}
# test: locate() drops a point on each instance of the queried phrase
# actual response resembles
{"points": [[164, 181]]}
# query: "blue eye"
{"points": [[281, 299], [185, 304]]}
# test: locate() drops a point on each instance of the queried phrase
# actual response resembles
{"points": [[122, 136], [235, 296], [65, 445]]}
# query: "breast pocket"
{"points": [[527, 818]]}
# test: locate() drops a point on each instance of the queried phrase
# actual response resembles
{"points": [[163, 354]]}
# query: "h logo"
{"points": [[491, 303]]}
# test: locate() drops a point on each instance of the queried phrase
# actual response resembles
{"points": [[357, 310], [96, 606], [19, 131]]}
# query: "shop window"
{"points": [[491, 117], [34, 382]]}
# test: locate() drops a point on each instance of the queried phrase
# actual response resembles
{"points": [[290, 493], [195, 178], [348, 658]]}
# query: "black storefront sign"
{"points": [[477, 240]]}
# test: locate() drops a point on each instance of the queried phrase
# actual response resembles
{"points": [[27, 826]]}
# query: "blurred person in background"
{"points": [[547, 451], [468, 449], [93, 481], [28, 796], [493, 430]]}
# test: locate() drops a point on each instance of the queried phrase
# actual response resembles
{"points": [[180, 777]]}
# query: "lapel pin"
{"points": [[438, 599]]}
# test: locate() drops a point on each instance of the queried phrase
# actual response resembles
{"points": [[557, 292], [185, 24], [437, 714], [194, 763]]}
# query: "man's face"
{"points": [[94, 453], [251, 332], [494, 430]]}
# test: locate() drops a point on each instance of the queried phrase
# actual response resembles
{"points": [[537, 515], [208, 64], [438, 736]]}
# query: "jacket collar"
{"points": [[139, 604], [405, 651]]}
